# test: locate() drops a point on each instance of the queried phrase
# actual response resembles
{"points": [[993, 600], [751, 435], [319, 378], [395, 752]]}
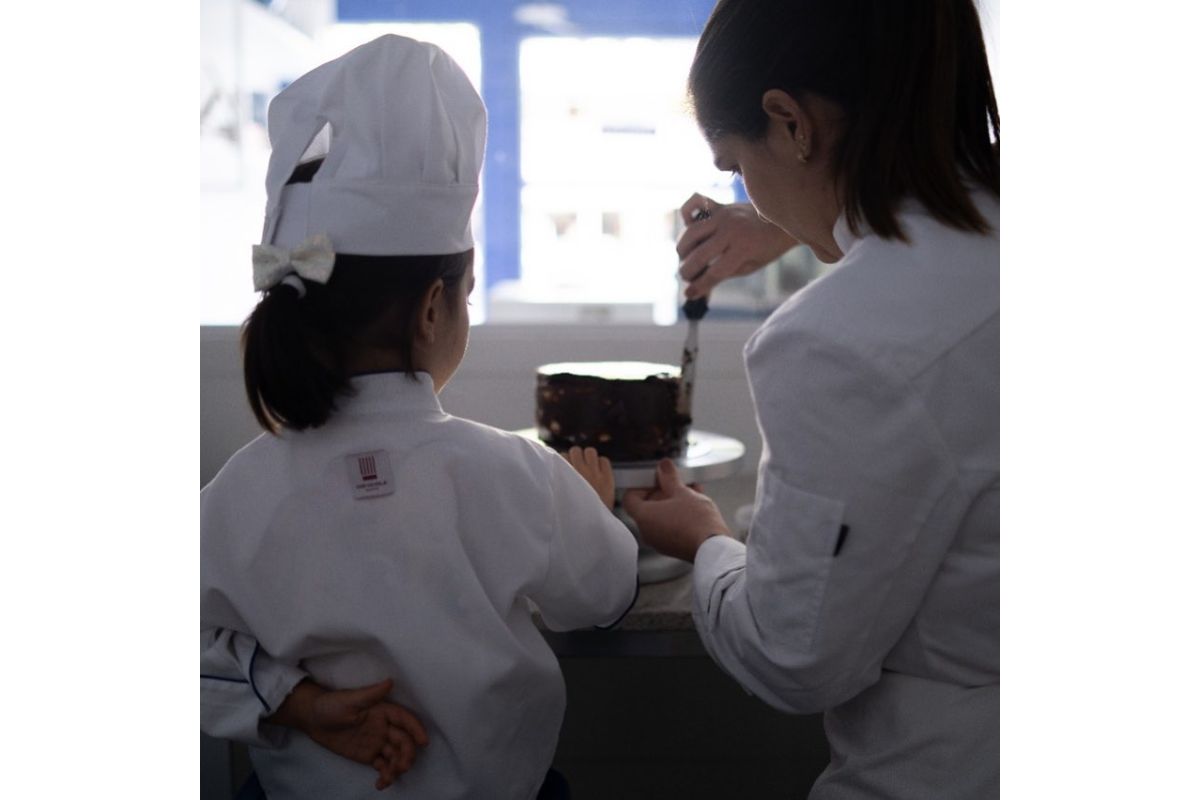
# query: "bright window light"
{"points": [[609, 151]]}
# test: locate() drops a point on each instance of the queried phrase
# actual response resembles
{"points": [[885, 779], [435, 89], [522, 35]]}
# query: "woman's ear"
{"points": [[432, 307], [787, 114]]}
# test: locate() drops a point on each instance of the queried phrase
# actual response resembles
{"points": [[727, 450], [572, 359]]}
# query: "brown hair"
{"points": [[295, 350], [911, 76]]}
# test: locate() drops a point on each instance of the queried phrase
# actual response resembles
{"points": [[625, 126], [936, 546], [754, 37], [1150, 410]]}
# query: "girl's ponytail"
{"points": [[291, 370], [298, 352]]}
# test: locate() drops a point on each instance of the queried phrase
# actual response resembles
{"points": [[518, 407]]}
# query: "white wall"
{"points": [[496, 381]]}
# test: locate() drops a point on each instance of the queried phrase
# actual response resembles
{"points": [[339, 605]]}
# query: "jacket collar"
{"points": [[907, 208], [845, 238], [390, 391]]}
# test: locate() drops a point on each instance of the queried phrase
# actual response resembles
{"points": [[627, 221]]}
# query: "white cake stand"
{"points": [[709, 457]]}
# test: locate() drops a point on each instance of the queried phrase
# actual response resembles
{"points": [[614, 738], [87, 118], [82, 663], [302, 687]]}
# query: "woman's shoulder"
{"points": [[899, 304]]}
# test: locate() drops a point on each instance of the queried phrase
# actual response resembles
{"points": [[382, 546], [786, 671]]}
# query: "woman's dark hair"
{"points": [[911, 76], [296, 350]]}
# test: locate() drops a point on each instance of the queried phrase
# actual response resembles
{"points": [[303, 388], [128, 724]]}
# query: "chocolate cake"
{"points": [[625, 409]]}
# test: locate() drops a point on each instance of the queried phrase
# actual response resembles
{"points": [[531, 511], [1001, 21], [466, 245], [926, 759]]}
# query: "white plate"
{"points": [[709, 457]]}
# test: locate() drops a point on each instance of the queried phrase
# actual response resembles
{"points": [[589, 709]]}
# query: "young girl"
{"points": [[369, 537]]}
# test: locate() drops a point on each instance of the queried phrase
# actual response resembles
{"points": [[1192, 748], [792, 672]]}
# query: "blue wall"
{"points": [[500, 36]]}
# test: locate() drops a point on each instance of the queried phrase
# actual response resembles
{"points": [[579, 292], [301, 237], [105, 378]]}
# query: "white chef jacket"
{"points": [[868, 586], [428, 584]]}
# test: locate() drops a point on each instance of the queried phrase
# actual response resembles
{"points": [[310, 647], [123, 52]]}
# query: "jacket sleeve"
{"points": [[240, 685], [857, 503], [591, 570]]}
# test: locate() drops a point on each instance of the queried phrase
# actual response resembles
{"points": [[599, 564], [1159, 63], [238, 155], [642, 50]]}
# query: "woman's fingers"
{"points": [[734, 241], [668, 476], [694, 205], [697, 262], [634, 499], [696, 232], [707, 281]]}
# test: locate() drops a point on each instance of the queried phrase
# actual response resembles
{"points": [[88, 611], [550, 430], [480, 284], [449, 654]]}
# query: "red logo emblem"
{"points": [[367, 469]]}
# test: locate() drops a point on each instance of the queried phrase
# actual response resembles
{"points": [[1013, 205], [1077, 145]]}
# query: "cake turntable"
{"points": [[709, 457]]}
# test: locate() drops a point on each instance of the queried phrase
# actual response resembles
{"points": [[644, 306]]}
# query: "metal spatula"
{"points": [[693, 310]]}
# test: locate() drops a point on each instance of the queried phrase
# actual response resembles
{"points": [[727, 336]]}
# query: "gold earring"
{"points": [[801, 155]]}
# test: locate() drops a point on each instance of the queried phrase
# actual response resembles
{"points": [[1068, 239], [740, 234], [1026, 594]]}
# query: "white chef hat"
{"points": [[402, 131]]}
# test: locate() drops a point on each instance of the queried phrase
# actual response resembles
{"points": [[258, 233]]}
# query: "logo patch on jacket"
{"points": [[370, 474]]}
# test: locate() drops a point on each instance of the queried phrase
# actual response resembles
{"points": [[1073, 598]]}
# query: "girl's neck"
{"points": [[374, 361]]}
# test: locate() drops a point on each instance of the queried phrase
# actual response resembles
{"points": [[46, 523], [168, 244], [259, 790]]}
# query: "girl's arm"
{"points": [[248, 696], [240, 686], [591, 573]]}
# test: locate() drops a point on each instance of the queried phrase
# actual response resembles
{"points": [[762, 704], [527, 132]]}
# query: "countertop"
{"points": [[659, 624], [665, 606]]}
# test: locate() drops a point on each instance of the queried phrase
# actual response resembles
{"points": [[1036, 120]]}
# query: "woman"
{"points": [[868, 587]]}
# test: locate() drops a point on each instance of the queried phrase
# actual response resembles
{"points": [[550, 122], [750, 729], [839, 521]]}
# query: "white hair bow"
{"points": [[312, 260]]}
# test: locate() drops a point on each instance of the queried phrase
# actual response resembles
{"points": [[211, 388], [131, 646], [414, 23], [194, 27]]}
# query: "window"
{"points": [[591, 149], [608, 153]]}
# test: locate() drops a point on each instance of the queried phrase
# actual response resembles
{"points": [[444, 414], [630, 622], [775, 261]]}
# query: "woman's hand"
{"points": [[672, 518], [733, 240], [596, 470], [358, 724]]}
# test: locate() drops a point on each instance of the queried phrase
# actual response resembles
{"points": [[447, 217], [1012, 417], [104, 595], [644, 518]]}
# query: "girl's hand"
{"points": [[596, 470], [733, 240], [672, 518], [358, 724]]}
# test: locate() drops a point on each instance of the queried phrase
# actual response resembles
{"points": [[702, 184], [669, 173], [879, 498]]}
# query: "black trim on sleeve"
{"points": [[637, 590], [251, 681], [222, 678]]}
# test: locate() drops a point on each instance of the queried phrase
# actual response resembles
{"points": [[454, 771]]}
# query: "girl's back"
{"points": [[372, 536], [426, 584]]}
